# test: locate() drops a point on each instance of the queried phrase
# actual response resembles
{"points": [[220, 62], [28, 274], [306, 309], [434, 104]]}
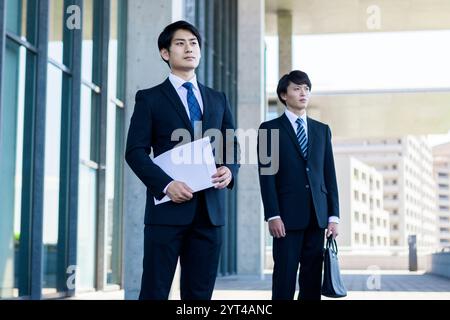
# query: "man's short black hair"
{"points": [[297, 77], [166, 36]]}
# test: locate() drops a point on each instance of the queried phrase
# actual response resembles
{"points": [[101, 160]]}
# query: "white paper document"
{"points": [[192, 163]]}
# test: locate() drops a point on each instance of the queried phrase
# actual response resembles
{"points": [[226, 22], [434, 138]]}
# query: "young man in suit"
{"points": [[301, 198], [189, 226]]}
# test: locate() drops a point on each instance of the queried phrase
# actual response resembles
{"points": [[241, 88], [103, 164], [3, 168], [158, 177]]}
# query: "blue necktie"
{"points": [[301, 137], [195, 112]]}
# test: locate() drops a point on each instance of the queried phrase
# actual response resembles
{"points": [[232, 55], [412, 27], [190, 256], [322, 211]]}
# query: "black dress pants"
{"points": [[198, 247], [304, 247]]}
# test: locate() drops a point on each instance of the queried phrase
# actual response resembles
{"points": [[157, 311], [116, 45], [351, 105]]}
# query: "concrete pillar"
{"points": [[284, 41], [250, 114], [146, 19], [284, 22]]}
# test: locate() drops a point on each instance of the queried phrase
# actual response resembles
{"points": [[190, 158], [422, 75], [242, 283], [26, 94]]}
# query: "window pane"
{"points": [[114, 149], [117, 47], [86, 228], [112, 163], [112, 60], [87, 194], [55, 43], [16, 16], [112, 68], [86, 123], [112, 199], [87, 48], [52, 177], [11, 164]]}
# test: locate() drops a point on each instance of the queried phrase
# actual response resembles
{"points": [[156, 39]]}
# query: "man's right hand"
{"points": [[179, 192], [276, 228]]}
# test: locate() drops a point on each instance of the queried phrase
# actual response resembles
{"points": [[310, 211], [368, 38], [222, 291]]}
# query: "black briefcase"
{"points": [[332, 285]]}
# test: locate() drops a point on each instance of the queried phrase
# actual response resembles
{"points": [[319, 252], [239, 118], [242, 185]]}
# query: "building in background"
{"points": [[364, 226], [441, 154], [409, 190]]}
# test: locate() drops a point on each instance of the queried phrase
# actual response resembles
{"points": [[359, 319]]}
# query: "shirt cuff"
{"points": [[165, 189], [333, 219], [330, 219]]}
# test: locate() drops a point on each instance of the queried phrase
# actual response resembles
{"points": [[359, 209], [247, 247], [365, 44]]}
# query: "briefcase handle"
{"points": [[331, 244]]}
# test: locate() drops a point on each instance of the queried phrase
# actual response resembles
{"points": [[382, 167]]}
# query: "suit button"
{"points": [[307, 169], [307, 186]]}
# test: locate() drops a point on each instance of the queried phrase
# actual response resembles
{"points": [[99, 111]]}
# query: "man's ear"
{"points": [[283, 96], [165, 54]]}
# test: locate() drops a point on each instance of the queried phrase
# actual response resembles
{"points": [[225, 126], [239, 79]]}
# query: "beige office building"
{"points": [[441, 155], [406, 165], [364, 223]]}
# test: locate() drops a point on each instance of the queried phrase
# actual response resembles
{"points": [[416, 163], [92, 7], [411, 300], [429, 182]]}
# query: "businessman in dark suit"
{"points": [[189, 226], [301, 197]]}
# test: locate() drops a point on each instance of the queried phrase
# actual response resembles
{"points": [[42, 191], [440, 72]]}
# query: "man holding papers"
{"points": [[189, 226]]}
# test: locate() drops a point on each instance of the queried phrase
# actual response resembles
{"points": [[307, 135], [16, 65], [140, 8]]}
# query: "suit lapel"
{"points": [[176, 103], [311, 136], [207, 104], [290, 131]]}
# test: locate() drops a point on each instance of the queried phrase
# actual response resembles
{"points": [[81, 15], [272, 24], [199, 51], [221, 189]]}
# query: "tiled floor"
{"points": [[361, 285]]}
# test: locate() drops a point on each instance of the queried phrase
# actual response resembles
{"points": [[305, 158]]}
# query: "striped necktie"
{"points": [[301, 137], [195, 112]]}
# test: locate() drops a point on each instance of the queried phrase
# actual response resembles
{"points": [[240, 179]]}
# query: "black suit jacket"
{"points": [[157, 113], [286, 192]]}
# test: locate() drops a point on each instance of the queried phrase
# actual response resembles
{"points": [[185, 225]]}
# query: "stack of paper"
{"points": [[192, 163]]}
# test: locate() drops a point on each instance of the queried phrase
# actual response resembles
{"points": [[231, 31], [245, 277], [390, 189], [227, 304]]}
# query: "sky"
{"points": [[366, 61], [438, 139]]}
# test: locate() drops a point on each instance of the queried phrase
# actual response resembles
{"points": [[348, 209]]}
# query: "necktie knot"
{"points": [[299, 121], [188, 85]]}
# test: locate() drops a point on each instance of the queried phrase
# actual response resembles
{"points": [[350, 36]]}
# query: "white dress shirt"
{"points": [[292, 119]]}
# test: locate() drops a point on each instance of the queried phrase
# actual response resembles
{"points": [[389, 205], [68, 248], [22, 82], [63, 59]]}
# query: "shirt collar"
{"points": [[293, 117], [177, 82]]}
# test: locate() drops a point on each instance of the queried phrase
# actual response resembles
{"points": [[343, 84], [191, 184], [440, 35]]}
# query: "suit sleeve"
{"points": [[139, 147], [330, 178], [267, 179], [231, 148]]}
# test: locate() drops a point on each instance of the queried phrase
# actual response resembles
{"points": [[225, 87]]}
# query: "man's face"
{"points": [[297, 96], [184, 54]]}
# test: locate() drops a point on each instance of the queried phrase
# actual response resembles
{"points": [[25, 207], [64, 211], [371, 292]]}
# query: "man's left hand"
{"points": [[332, 229], [222, 178]]}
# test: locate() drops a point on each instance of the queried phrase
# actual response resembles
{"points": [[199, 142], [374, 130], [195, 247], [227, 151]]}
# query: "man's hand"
{"points": [[332, 229], [179, 192], [276, 228], [222, 178]]}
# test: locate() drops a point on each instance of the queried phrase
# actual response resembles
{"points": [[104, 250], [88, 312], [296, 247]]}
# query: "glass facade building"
{"points": [[62, 135], [61, 144]]}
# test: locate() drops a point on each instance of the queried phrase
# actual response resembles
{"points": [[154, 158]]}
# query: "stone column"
{"points": [[250, 114], [284, 23], [146, 19]]}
